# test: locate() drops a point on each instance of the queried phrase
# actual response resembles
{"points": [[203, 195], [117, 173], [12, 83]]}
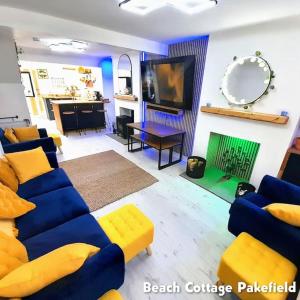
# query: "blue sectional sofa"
{"points": [[247, 215], [61, 217], [46, 142]]}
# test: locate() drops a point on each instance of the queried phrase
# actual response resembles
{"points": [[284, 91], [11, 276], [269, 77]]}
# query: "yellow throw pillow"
{"points": [[33, 276], [9, 134], [11, 205], [8, 227], [287, 213], [12, 254], [29, 164], [7, 175], [24, 134]]}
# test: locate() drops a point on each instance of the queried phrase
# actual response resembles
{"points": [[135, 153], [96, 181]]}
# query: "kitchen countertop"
{"points": [[57, 96], [74, 101]]}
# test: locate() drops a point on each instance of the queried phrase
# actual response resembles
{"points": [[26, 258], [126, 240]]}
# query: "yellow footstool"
{"points": [[57, 141], [249, 260], [129, 228], [111, 295]]}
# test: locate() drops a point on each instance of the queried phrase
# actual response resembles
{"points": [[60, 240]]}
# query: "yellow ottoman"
{"points": [[249, 260], [111, 295], [57, 140], [129, 228]]}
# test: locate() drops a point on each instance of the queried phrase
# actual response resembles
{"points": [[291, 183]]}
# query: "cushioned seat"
{"points": [[52, 209], [249, 260], [83, 229], [45, 183], [129, 228]]}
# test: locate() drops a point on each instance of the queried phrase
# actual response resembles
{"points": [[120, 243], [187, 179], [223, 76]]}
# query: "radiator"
{"points": [[11, 122]]}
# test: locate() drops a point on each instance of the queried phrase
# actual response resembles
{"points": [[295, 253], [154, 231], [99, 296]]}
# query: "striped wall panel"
{"points": [[187, 121]]}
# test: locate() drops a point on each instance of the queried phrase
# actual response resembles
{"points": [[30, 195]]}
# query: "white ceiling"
{"points": [[165, 24]]}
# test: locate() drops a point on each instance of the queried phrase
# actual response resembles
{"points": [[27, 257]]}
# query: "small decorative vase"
{"points": [[297, 143]]}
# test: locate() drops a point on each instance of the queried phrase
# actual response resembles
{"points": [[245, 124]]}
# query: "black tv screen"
{"points": [[169, 82]]}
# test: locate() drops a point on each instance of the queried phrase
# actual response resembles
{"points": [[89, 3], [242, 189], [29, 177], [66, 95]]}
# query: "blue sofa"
{"points": [[61, 217], [247, 215], [46, 142]]}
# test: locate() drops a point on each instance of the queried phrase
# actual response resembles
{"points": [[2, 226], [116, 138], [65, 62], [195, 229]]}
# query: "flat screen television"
{"points": [[169, 82]]}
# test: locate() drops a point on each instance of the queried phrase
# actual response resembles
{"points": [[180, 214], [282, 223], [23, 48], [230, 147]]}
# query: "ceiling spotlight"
{"points": [[143, 7]]}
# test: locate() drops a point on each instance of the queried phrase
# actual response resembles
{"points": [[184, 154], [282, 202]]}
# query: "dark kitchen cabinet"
{"points": [[79, 116]]}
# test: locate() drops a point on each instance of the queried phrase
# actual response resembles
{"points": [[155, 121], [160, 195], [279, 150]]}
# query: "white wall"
{"points": [[279, 43], [12, 98], [136, 85]]}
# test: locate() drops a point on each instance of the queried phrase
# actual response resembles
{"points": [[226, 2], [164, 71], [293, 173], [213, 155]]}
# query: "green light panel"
{"points": [[232, 155]]}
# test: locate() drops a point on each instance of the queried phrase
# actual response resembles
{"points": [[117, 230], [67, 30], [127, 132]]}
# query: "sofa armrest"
{"points": [[279, 190], [46, 143], [99, 274], [43, 132], [52, 158], [280, 236]]}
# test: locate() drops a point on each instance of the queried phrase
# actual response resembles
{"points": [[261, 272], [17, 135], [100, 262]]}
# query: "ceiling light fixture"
{"points": [[65, 45], [143, 7], [192, 6]]}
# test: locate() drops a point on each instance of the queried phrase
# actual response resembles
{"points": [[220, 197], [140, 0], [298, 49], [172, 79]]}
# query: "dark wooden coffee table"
{"points": [[157, 136]]}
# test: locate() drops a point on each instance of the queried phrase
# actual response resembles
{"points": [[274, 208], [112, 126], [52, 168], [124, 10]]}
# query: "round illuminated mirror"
{"points": [[246, 80], [125, 75]]}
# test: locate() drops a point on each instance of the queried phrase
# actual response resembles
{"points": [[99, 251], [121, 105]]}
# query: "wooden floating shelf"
{"points": [[271, 118], [165, 109], [126, 97]]}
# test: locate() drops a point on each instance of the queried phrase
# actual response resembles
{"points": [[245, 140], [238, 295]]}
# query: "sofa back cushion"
{"points": [[12, 254], [25, 134], [29, 164], [33, 276], [10, 135], [7, 175], [11, 205]]}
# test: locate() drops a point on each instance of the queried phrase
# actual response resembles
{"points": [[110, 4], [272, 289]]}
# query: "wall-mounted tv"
{"points": [[169, 82]]}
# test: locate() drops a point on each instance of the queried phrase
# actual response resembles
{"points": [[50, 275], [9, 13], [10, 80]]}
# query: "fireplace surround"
{"points": [[126, 116], [230, 160]]}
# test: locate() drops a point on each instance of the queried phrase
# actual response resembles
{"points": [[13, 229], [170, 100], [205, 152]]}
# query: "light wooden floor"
{"points": [[190, 223]]}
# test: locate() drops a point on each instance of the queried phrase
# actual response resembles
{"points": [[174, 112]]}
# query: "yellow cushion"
{"points": [[12, 254], [287, 213], [33, 276], [56, 138], [9, 134], [111, 295], [24, 134], [29, 164], [129, 228], [8, 227], [249, 260], [7, 175], [11, 205]]}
